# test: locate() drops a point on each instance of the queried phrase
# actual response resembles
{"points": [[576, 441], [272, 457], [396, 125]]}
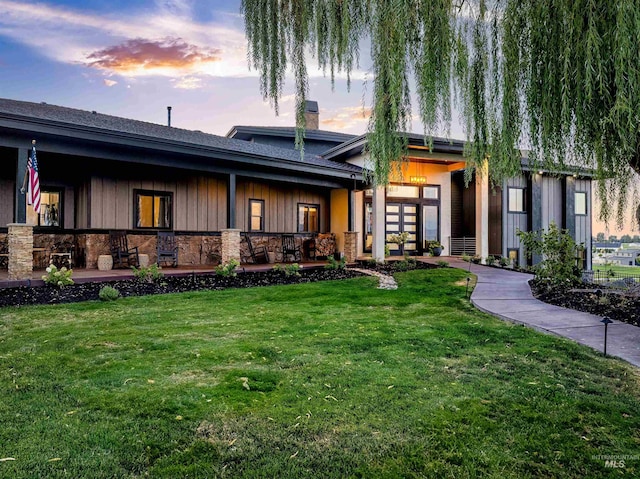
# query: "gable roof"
{"points": [[13, 113]]}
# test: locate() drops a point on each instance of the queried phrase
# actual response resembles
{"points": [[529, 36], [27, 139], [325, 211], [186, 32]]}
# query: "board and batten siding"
{"points": [[513, 222], [552, 201], [199, 203], [280, 205]]}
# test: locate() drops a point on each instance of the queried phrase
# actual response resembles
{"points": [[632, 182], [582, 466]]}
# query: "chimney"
{"points": [[168, 116], [312, 115]]}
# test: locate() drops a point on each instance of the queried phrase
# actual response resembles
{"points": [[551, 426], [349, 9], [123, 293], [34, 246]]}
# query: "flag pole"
{"points": [[26, 173]]}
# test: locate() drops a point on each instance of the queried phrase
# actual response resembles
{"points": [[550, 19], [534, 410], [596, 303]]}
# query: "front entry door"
{"points": [[402, 217]]}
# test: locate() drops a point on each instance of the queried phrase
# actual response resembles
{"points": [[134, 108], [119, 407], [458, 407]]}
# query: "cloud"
{"points": [[350, 117], [187, 83], [147, 56], [109, 83]]}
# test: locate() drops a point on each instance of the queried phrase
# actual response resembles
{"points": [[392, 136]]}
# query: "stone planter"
{"points": [[272, 257], [143, 260]]}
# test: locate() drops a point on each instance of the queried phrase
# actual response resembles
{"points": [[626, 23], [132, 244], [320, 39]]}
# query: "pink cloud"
{"points": [[140, 54]]}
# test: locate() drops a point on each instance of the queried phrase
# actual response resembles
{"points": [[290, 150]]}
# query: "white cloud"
{"points": [[109, 83]]}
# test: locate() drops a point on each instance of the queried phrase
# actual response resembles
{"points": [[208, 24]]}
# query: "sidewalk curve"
{"points": [[506, 294]]}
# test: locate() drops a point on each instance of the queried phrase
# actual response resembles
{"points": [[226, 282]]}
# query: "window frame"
{"points": [[523, 192], [308, 205], [60, 192], [251, 215], [153, 194], [575, 203]]}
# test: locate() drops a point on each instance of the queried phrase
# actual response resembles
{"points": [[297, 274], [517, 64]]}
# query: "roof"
{"points": [[243, 132], [58, 115]]}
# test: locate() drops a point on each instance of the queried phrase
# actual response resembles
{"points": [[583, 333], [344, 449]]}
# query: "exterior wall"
{"points": [[280, 204], [199, 203], [7, 185], [583, 225], [552, 201], [359, 221], [339, 216]]}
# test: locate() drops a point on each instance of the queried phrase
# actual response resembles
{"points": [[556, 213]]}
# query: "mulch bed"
{"points": [[619, 304], [25, 295]]}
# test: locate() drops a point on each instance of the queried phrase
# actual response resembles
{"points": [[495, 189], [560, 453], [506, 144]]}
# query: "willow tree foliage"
{"points": [[559, 76]]}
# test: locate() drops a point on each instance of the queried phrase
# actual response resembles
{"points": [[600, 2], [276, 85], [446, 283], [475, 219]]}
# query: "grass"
{"points": [[617, 268], [334, 379]]}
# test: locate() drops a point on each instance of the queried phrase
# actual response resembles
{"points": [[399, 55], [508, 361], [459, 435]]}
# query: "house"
{"points": [[100, 172]]}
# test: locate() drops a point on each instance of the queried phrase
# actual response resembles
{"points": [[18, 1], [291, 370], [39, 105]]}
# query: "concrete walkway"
{"points": [[506, 294]]}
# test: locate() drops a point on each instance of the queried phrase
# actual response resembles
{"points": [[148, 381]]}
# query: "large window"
{"points": [[581, 203], [153, 209], [308, 218], [50, 209], [256, 215], [517, 203]]}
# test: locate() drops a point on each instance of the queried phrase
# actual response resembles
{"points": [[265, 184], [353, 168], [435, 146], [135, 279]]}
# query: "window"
{"points": [[517, 200], [256, 215], [308, 218], [368, 226], [431, 192], [430, 222], [50, 209], [154, 209], [400, 191], [580, 203]]}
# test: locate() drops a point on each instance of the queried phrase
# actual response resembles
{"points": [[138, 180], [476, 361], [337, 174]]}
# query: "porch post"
{"points": [[379, 226], [482, 213], [351, 246], [20, 212], [231, 201], [20, 241]]}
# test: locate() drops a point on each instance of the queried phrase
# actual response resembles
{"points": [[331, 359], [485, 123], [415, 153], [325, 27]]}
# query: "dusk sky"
{"points": [[134, 58]]}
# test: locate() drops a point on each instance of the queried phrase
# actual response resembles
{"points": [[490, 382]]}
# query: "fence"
{"points": [[612, 278], [460, 246]]}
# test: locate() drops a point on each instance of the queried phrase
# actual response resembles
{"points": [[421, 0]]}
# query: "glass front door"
{"points": [[402, 217]]}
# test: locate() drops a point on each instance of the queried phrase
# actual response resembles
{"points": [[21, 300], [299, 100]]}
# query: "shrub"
{"points": [[292, 269], [504, 261], [442, 263], [148, 274], [57, 277], [466, 257], [108, 293], [228, 269], [334, 264], [476, 259], [491, 260], [558, 251]]}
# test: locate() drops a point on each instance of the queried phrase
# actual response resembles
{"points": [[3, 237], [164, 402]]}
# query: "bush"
{"points": [[292, 269], [334, 264], [491, 260], [148, 274], [228, 269], [476, 259], [466, 257], [558, 251], [442, 263], [57, 277], [504, 261], [108, 293]]}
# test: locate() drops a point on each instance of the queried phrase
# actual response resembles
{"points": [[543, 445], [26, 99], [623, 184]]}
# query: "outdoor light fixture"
{"points": [[540, 172], [417, 179], [468, 280], [606, 321]]}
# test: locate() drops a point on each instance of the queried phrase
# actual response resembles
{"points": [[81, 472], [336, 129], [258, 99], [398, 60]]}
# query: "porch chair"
{"points": [[290, 248], [62, 254], [167, 248], [258, 254], [123, 256]]}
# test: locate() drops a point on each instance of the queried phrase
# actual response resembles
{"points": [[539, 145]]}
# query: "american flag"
{"points": [[33, 194]]}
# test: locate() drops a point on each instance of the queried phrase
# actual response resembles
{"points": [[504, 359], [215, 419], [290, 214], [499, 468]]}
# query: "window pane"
{"points": [[580, 203], [430, 223], [49, 208], [400, 191], [145, 211], [256, 208], [313, 219], [430, 192], [516, 199], [256, 224]]}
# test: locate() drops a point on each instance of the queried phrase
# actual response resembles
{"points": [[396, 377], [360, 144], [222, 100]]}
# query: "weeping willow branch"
{"points": [[561, 76]]}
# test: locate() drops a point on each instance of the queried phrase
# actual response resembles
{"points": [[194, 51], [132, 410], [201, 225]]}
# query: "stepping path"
{"points": [[385, 281], [507, 295]]}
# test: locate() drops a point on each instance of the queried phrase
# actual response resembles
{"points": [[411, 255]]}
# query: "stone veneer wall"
{"points": [[230, 245]]}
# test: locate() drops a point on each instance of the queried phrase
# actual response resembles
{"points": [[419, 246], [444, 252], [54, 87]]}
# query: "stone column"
{"points": [[230, 245], [351, 246], [20, 239]]}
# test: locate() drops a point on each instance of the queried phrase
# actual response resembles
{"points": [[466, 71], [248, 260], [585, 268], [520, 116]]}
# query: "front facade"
{"points": [[101, 173]]}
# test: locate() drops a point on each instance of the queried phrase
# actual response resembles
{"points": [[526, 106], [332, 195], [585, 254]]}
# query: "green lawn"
{"points": [[335, 379], [617, 268]]}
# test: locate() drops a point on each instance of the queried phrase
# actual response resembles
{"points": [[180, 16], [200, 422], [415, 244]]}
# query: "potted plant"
{"points": [[400, 239], [434, 247]]}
